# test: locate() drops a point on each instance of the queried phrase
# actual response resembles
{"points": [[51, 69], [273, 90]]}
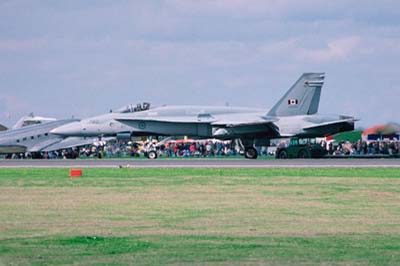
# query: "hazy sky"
{"points": [[81, 58]]}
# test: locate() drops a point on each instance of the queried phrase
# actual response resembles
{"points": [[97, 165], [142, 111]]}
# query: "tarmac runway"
{"points": [[200, 163]]}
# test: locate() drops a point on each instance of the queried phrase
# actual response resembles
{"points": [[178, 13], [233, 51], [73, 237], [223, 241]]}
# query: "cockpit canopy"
{"points": [[30, 120], [132, 109]]}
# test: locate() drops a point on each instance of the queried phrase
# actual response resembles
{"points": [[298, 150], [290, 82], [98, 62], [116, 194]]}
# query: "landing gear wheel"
{"points": [[152, 155], [282, 154], [250, 153]]}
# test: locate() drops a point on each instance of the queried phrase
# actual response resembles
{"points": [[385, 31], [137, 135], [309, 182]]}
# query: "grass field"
{"points": [[200, 217]]}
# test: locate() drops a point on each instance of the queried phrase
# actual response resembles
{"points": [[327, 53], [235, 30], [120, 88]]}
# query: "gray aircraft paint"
{"points": [[305, 94], [30, 120], [171, 120], [31, 138], [37, 138], [295, 114]]}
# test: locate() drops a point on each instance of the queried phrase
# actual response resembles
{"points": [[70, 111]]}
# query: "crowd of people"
{"points": [[364, 148], [199, 148], [208, 148]]}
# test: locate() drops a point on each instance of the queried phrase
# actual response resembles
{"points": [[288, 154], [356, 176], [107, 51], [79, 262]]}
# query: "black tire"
{"points": [[250, 153], [152, 155], [282, 154], [303, 154]]}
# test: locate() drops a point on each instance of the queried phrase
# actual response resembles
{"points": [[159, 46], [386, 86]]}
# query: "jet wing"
{"points": [[40, 146], [205, 125], [164, 119], [55, 144], [227, 120], [3, 128], [238, 126], [72, 142], [238, 121]]}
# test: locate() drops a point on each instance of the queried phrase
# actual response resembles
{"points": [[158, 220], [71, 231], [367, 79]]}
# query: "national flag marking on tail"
{"points": [[293, 101]]}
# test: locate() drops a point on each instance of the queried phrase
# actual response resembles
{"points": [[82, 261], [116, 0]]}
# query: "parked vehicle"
{"points": [[301, 148]]}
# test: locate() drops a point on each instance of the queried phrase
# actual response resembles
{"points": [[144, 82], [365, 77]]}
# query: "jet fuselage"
{"points": [[196, 121]]}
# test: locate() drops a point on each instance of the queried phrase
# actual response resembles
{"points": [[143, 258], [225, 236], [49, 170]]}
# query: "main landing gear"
{"points": [[250, 153], [250, 143], [152, 155]]}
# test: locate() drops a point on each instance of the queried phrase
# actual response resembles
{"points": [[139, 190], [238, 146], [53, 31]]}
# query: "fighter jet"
{"points": [[32, 134], [295, 114]]}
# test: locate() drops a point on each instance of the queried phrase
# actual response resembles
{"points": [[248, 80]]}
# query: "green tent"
{"points": [[352, 136]]}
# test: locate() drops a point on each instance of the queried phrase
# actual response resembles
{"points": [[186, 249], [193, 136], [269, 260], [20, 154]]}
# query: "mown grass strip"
{"points": [[92, 177], [366, 249], [217, 172]]}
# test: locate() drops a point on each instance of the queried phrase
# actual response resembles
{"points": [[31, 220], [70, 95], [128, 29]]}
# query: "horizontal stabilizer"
{"points": [[332, 127], [331, 123]]}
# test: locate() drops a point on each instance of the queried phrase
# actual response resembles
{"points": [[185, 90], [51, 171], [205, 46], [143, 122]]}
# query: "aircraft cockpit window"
{"points": [[142, 107], [31, 122], [132, 109]]}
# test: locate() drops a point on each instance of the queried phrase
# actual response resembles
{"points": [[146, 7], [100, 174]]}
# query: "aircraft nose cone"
{"points": [[66, 130]]}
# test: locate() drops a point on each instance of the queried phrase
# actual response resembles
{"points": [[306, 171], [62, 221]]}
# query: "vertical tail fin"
{"points": [[302, 98]]}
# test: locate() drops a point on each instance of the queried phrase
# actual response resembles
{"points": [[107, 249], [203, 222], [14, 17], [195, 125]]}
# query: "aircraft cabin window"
{"points": [[23, 139], [32, 137], [46, 134], [18, 140], [39, 136]]}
